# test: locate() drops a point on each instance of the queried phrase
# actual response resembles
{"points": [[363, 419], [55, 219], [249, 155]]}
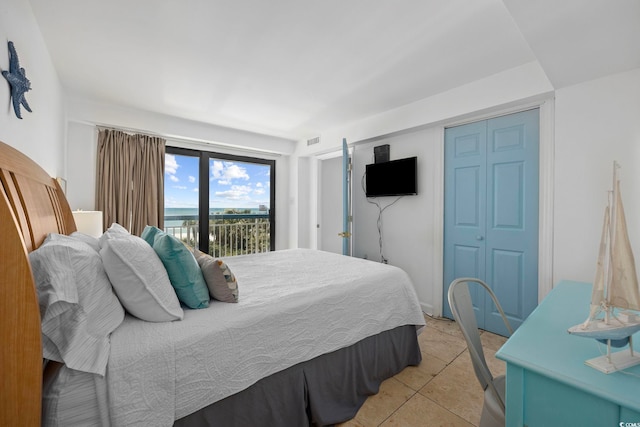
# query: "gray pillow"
{"points": [[77, 305], [221, 282], [140, 279]]}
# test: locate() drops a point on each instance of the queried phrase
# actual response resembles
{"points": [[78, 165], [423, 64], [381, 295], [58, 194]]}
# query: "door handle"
{"points": [[344, 234], [479, 238]]}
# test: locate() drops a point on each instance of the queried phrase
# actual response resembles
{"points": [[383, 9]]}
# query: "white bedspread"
{"points": [[294, 305]]}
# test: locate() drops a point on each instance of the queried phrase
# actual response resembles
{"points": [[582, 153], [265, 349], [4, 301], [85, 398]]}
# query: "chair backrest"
{"points": [[462, 308]]}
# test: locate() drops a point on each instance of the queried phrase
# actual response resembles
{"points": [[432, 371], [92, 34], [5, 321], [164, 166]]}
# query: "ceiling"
{"points": [[293, 68]]}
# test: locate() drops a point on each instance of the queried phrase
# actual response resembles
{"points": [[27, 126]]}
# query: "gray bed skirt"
{"points": [[320, 392]]}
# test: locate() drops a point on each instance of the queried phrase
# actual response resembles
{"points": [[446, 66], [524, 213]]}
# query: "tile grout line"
{"points": [[416, 392], [457, 415], [449, 411], [447, 332], [401, 405]]}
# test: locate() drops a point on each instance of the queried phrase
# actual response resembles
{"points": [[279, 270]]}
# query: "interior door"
{"points": [[346, 199], [330, 215], [465, 208], [491, 214]]}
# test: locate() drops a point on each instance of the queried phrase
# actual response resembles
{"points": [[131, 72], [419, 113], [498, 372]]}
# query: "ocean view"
{"points": [[169, 212]]}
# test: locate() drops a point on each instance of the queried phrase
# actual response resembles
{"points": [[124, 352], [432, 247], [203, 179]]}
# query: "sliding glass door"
{"points": [[222, 204]]}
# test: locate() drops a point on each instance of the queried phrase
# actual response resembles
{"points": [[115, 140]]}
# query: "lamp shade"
{"points": [[88, 222]]}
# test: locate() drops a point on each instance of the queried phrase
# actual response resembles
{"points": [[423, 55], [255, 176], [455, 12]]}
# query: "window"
{"points": [[220, 203]]}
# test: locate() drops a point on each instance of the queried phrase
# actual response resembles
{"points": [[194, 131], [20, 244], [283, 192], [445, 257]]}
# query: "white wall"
{"points": [[81, 160], [40, 134], [82, 142], [596, 123], [408, 225], [303, 195]]}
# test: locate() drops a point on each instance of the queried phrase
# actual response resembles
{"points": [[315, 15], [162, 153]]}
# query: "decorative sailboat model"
{"points": [[615, 300]]}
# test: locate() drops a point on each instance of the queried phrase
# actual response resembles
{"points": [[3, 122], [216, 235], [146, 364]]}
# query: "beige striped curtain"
{"points": [[130, 180]]}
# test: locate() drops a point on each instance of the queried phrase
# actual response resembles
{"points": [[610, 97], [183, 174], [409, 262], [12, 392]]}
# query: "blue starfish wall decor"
{"points": [[18, 81]]}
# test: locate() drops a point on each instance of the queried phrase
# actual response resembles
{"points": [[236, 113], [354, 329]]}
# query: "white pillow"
{"points": [[89, 240], [94, 242], [77, 305], [140, 279], [116, 230]]}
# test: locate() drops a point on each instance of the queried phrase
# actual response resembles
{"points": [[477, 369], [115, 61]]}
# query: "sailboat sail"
{"points": [[623, 291], [597, 295]]}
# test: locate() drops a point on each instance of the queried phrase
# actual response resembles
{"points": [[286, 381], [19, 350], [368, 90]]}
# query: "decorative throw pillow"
{"points": [[149, 234], [139, 279], [183, 270], [220, 280], [77, 305]]}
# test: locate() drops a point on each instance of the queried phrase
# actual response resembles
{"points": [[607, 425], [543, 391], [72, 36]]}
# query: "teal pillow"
{"points": [[183, 270], [149, 234]]}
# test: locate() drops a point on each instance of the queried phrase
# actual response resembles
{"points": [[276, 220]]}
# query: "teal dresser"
{"points": [[548, 383]]}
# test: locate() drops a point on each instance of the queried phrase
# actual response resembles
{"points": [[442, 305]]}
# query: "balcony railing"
{"points": [[229, 234]]}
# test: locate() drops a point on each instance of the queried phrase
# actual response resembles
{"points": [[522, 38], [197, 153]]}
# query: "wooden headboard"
{"points": [[32, 205]]}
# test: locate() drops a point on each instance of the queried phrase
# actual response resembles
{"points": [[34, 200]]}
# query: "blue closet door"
{"points": [[465, 208], [505, 203]]}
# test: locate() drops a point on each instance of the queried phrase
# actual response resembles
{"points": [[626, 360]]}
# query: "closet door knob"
{"points": [[479, 237]]}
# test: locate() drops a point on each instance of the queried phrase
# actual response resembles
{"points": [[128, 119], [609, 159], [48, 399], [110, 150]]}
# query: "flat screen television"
{"points": [[393, 178]]}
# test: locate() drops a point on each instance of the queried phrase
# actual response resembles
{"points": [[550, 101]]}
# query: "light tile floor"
{"points": [[441, 391]]}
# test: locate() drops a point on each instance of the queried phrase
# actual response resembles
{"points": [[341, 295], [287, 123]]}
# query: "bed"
{"points": [[312, 335]]}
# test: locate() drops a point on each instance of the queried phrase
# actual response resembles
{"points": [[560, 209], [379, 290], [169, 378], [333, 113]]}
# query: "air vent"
{"points": [[313, 140]]}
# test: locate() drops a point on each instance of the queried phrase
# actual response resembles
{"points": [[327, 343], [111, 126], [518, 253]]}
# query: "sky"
{"points": [[231, 184]]}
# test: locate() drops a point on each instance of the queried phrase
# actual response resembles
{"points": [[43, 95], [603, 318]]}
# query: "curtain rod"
{"points": [[188, 141], [127, 130]]}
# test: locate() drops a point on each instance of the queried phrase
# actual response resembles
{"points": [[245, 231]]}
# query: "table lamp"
{"points": [[88, 222]]}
